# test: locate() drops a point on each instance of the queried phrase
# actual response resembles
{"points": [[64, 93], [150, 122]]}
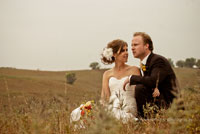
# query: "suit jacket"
{"points": [[158, 70]]}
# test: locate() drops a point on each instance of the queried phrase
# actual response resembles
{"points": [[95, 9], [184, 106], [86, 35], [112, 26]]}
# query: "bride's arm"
{"points": [[132, 70], [105, 92]]}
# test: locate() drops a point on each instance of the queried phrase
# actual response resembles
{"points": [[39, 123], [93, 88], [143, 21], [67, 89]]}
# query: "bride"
{"points": [[120, 103]]}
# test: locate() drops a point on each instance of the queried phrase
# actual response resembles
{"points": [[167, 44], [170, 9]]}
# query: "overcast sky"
{"points": [[70, 34]]}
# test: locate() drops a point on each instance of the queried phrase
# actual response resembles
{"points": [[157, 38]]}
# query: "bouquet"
{"points": [[82, 113], [86, 109]]}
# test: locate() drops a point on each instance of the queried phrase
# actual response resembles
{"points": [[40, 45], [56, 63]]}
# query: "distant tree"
{"points": [[190, 62], [70, 78], [180, 63], [171, 62], [95, 65], [198, 63]]}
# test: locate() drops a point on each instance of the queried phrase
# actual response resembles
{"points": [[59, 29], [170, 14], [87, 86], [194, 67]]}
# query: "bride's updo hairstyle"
{"points": [[113, 47]]}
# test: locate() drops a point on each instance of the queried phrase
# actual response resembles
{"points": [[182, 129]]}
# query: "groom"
{"points": [[156, 72]]}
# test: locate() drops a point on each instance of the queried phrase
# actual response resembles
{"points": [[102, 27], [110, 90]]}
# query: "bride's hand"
{"points": [[102, 102], [125, 83]]}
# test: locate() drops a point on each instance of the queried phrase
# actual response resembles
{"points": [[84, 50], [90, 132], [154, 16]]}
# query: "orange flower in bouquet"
{"points": [[87, 108], [81, 115]]}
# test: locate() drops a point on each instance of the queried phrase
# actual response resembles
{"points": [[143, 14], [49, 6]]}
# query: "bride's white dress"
{"points": [[122, 104]]}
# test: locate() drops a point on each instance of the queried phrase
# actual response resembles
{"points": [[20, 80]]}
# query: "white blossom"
{"points": [[108, 53]]}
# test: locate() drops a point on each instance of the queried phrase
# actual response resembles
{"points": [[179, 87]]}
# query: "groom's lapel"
{"points": [[148, 62], [149, 58]]}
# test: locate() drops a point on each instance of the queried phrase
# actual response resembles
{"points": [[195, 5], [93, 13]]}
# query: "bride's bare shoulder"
{"points": [[132, 67], [108, 73], [134, 70]]}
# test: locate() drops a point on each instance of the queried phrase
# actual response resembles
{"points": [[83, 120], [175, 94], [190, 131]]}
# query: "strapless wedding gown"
{"points": [[122, 104]]}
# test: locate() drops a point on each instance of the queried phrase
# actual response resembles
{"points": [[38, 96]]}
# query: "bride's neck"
{"points": [[119, 66]]}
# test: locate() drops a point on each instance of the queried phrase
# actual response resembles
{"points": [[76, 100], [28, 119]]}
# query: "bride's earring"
{"points": [[114, 56]]}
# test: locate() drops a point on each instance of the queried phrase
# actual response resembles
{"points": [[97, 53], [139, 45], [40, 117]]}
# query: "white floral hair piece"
{"points": [[108, 53]]}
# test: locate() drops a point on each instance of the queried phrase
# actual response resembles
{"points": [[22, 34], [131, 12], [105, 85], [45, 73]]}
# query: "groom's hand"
{"points": [[125, 83], [156, 93]]}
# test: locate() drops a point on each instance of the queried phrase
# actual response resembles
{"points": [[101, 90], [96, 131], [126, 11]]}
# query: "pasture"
{"points": [[40, 102]]}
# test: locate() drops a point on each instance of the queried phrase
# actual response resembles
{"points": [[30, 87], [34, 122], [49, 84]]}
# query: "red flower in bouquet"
{"points": [[82, 112], [86, 108]]}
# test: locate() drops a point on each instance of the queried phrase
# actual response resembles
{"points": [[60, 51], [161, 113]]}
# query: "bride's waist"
{"points": [[123, 93], [128, 89]]}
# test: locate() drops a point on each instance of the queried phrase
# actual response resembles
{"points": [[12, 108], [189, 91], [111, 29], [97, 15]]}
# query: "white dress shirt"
{"points": [[144, 61]]}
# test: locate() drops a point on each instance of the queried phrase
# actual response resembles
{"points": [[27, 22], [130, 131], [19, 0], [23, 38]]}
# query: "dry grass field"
{"points": [[40, 102]]}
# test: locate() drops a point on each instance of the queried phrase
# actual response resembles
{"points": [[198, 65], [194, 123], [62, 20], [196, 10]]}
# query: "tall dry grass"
{"points": [[40, 102]]}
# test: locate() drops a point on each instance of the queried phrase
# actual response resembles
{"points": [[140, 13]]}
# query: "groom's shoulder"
{"points": [[157, 57]]}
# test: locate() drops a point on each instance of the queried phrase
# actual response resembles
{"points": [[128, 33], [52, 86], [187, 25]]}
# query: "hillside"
{"points": [[33, 101], [88, 83], [40, 83]]}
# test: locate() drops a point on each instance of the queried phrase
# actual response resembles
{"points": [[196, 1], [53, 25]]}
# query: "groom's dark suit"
{"points": [[157, 68]]}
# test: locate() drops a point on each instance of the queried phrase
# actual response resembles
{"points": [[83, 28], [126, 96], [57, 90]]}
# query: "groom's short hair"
{"points": [[146, 39]]}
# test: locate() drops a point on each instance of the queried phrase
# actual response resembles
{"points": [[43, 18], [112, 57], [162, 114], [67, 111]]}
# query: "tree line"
{"points": [[188, 62]]}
